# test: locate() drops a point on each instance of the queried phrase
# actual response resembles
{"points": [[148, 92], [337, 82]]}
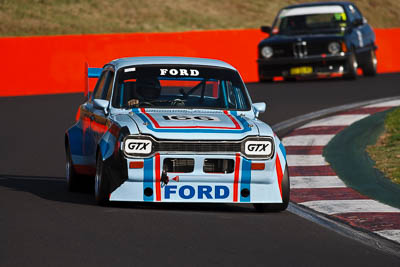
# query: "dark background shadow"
{"points": [[55, 189]]}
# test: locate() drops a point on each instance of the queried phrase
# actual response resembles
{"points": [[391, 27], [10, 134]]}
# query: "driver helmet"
{"points": [[148, 88]]}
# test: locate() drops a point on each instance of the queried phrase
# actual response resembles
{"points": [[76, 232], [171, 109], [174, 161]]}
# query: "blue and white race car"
{"points": [[175, 129]]}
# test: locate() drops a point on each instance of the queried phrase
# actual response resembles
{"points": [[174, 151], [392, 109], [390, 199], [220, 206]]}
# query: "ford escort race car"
{"points": [[316, 39], [175, 129]]}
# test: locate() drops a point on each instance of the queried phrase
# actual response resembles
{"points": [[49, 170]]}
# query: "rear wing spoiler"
{"points": [[90, 73]]}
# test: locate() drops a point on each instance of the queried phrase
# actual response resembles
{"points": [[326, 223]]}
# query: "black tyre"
{"points": [[101, 183], [352, 67], [369, 66], [277, 207], [262, 78], [73, 181]]}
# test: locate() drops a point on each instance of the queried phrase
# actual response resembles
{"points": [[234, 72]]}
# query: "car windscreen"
{"points": [[322, 19], [179, 86]]}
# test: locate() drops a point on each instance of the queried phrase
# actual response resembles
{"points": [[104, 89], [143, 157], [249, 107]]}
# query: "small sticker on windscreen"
{"points": [[130, 69]]}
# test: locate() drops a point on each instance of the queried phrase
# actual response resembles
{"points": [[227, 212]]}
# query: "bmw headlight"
{"points": [[138, 146], [262, 147], [267, 51], [334, 48]]}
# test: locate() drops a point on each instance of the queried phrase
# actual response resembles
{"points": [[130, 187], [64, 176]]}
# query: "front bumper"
{"points": [[243, 184], [320, 65]]}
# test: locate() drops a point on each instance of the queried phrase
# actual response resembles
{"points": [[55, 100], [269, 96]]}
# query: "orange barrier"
{"points": [[388, 42], [55, 64]]}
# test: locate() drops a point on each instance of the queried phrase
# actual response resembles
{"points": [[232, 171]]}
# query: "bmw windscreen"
{"points": [[308, 20], [179, 86]]}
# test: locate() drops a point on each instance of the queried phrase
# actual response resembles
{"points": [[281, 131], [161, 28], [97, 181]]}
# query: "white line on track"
{"points": [[390, 234], [344, 206], [306, 160], [338, 120], [316, 182], [307, 140], [393, 103]]}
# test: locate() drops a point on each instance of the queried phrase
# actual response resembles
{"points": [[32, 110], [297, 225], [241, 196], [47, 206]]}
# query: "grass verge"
{"points": [[54, 17], [386, 151]]}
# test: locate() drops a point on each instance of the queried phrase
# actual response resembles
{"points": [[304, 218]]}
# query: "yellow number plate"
{"points": [[301, 70]]}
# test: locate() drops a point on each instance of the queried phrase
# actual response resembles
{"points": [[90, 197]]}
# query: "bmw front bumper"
{"points": [[306, 66]]}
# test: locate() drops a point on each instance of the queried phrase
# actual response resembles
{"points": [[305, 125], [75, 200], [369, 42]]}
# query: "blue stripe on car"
{"points": [[148, 178], [246, 179]]}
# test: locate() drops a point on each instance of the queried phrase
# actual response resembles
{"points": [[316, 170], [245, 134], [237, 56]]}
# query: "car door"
{"points": [[358, 29], [86, 116], [367, 33], [98, 117]]}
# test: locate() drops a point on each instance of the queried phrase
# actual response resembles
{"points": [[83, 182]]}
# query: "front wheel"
{"points": [[369, 67], [277, 207], [352, 67], [73, 182], [264, 79], [101, 182]]}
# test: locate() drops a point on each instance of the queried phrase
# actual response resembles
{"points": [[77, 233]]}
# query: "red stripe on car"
{"points": [[236, 178], [158, 177], [279, 173]]}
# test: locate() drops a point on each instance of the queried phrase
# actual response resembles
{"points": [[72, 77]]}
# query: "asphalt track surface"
{"points": [[41, 224]]}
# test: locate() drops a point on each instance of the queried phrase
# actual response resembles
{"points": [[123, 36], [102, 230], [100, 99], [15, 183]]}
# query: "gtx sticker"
{"points": [[258, 148], [189, 118], [199, 192], [179, 72], [137, 146]]}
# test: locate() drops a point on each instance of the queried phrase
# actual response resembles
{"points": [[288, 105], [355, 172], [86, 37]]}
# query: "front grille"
{"points": [[317, 48], [218, 165], [282, 50], [300, 49], [178, 165], [200, 147]]}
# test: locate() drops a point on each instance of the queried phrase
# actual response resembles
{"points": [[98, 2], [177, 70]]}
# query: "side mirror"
{"points": [[101, 104], [266, 29], [87, 97], [357, 22], [259, 107]]}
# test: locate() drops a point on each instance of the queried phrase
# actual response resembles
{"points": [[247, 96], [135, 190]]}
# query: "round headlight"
{"points": [[267, 52], [334, 48]]}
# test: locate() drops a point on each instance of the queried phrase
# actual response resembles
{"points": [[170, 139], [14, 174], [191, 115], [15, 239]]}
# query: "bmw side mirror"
{"points": [[266, 29], [259, 108], [358, 22], [101, 104]]}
